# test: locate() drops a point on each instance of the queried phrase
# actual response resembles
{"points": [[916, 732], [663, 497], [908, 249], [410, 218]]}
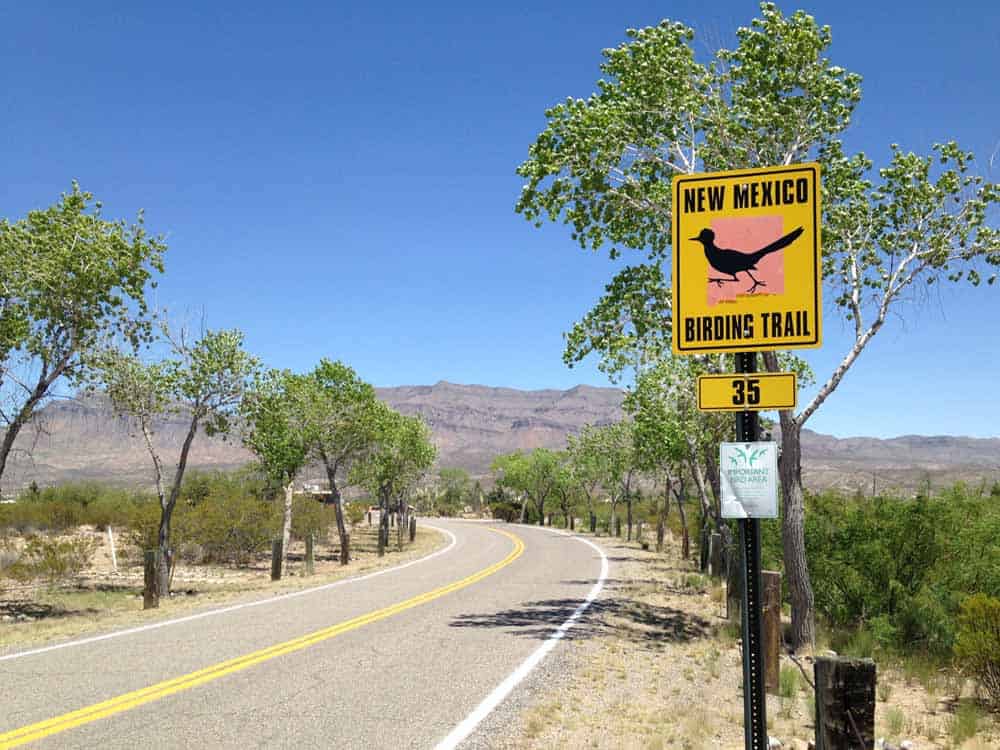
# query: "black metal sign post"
{"points": [[754, 705]]}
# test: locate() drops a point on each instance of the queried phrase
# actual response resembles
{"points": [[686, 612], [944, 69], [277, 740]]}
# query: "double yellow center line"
{"points": [[127, 701]]}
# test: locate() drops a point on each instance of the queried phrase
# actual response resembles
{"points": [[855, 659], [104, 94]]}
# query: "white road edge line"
{"points": [[235, 607], [501, 691]]}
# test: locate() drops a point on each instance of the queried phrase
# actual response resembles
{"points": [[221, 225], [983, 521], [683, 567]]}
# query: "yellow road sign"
{"points": [[752, 391], [746, 260]]}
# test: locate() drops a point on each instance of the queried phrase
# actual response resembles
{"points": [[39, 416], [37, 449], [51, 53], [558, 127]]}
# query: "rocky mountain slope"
{"points": [[82, 439]]}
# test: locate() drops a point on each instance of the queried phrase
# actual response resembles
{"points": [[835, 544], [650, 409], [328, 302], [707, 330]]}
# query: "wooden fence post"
{"points": [[151, 590], [715, 567], [771, 584], [413, 528], [276, 560], [845, 703], [310, 554]]}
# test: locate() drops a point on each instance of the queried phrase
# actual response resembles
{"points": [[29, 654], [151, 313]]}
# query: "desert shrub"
{"points": [[230, 526], [355, 512], [505, 510], [891, 572], [67, 506], [310, 516], [965, 723], [9, 555], [977, 648], [52, 559]]}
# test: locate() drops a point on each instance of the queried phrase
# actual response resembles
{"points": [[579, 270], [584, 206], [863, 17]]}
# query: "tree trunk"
{"points": [[167, 509], [286, 528], [628, 514], [714, 477], [793, 535], [338, 511], [383, 523], [685, 539], [27, 410], [166, 555]]}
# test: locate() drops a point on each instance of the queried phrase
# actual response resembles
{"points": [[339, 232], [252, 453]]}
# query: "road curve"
{"points": [[397, 660]]}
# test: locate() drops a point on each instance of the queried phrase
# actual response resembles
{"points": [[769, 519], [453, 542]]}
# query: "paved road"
{"points": [[396, 660]]}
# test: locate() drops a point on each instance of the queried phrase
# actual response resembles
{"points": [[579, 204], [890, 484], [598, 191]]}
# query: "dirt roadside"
{"points": [[653, 665]]}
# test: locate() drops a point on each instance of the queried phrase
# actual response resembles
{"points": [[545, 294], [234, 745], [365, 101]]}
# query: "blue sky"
{"points": [[337, 179]]}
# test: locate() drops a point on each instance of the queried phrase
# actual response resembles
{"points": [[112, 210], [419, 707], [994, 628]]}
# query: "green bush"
{"points": [[310, 516], [505, 510], [230, 526], [66, 506], [355, 512], [51, 559], [977, 649], [890, 572]]}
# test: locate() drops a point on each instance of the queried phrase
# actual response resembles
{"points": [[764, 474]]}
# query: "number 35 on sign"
{"points": [[753, 391]]}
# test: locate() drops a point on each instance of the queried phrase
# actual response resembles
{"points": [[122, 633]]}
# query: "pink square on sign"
{"points": [[748, 234]]}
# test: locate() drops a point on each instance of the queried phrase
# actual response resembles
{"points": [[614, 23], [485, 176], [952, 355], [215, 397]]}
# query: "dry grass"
{"points": [[102, 600]]}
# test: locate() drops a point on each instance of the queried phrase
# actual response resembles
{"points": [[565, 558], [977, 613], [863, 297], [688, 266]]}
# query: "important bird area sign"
{"points": [[749, 474], [746, 260]]}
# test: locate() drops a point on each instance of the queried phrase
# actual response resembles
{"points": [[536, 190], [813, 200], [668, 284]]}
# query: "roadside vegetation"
{"points": [[58, 576], [911, 583]]}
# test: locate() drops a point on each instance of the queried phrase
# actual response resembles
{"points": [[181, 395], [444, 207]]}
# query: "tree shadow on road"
{"points": [[30, 610], [652, 625]]}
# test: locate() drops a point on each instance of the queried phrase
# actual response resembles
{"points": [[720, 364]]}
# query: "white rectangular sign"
{"points": [[749, 479]]}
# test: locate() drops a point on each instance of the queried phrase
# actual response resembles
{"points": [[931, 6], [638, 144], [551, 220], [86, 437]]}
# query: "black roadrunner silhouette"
{"points": [[733, 262]]}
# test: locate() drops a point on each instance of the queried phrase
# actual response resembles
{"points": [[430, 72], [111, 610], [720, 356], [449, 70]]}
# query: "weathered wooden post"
{"points": [[276, 551], [715, 567], [845, 703], [593, 523], [310, 554], [369, 514], [150, 590], [638, 531], [771, 585], [703, 556], [413, 528]]}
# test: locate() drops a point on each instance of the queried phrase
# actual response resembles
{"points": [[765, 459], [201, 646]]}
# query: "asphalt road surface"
{"points": [[395, 660]]}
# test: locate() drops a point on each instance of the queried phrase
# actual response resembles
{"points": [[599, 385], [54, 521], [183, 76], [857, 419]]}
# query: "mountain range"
{"points": [[471, 424]]}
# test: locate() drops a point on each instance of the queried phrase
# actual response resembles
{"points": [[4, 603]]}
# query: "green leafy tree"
{"points": [[673, 437], [401, 454], [202, 382], [69, 278], [584, 466], [455, 490], [620, 465], [274, 430], [566, 489], [533, 475], [604, 166], [338, 415]]}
